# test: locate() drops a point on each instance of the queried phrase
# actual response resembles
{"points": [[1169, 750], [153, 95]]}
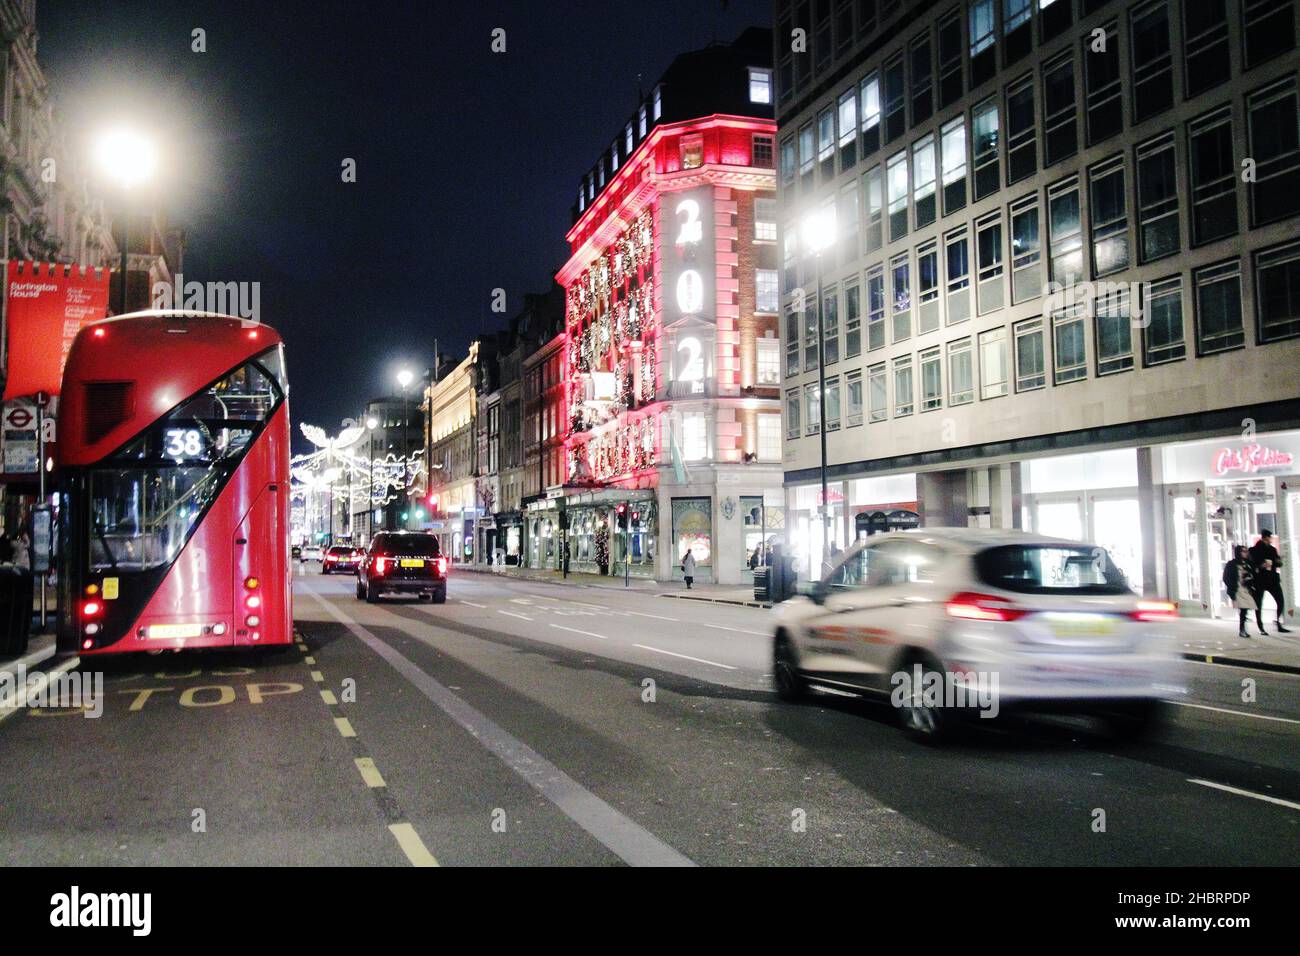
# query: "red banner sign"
{"points": [[47, 304]]}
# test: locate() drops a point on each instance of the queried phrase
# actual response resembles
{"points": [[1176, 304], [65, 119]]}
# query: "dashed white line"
{"points": [[686, 657], [472, 604], [1238, 713], [576, 631], [657, 617], [1245, 793], [521, 617], [738, 630]]}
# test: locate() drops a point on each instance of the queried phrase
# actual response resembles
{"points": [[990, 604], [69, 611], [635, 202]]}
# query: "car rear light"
{"points": [[1155, 611], [442, 565], [381, 565], [971, 606], [91, 609]]}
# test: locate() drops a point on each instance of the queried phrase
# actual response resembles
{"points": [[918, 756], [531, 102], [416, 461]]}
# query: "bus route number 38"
{"points": [[183, 443]]}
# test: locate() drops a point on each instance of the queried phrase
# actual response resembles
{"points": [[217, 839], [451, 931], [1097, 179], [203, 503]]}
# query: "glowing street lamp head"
{"points": [[126, 156], [405, 377], [372, 422], [819, 230]]}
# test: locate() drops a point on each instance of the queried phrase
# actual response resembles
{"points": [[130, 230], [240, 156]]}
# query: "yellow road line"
{"points": [[370, 773], [345, 726], [309, 661], [328, 697], [317, 676], [411, 844]]}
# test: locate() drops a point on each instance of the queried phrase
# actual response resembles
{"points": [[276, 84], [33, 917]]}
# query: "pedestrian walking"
{"points": [[1239, 581], [1268, 579], [688, 568], [23, 552]]}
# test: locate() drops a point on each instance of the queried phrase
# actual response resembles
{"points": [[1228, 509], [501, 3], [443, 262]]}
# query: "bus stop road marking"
{"points": [[412, 845], [345, 726], [370, 773]]}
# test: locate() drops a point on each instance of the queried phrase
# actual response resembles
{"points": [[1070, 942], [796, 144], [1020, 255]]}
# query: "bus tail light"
{"points": [[254, 601], [1155, 611], [91, 609], [87, 644], [970, 606], [251, 583], [252, 620]]}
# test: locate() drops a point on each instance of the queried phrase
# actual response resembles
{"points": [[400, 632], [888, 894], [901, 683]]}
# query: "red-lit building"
{"points": [[672, 354]]}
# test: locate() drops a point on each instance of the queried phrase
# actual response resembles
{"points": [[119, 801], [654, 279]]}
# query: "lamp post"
{"points": [[404, 379], [371, 424], [819, 235], [127, 158]]}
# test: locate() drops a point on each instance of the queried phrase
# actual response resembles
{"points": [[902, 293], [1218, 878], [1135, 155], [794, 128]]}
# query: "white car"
{"points": [[954, 622], [311, 552]]}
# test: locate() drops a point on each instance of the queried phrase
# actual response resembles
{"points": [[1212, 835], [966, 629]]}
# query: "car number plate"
{"points": [[1082, 625], [412, 563], [174, 630]]}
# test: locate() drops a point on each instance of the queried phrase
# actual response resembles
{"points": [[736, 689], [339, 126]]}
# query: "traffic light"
{"points": [[621, 511], [636, 519]]}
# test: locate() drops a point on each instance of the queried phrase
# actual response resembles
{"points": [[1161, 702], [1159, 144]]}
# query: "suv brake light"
{"points": [[442, 565], [381, 565], [972, 606], [1155, 611]]}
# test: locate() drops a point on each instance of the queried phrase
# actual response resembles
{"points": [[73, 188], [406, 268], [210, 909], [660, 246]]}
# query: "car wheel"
{"points": [[921, 717], [439, 597], [790, 683], [372, 594], [361, 590]]}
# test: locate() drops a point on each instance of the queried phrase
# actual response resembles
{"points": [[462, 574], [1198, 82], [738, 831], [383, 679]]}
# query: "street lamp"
{"points": [[371, 424], [818, 236], [404, 378], [127, 158]]}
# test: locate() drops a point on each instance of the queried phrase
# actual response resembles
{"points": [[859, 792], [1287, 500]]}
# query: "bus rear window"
{"points": [[1050, 569], [422, 545]]}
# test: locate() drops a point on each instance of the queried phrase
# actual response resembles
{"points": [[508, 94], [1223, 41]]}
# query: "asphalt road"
{"points": [[530, 723]]}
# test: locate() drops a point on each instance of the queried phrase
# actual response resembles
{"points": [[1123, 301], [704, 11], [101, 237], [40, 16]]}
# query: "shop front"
{"points": [[857, 507], [542, 534], [507, 539]]}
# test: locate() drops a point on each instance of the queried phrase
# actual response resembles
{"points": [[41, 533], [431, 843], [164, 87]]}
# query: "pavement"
{"points": [[530, 723]]}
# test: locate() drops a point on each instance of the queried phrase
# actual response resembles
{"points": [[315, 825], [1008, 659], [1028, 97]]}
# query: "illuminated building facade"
{"points": [[672, 343]]}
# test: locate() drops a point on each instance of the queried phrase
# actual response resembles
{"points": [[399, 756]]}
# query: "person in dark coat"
{"points": [[1239, 582], [1268, 579]]}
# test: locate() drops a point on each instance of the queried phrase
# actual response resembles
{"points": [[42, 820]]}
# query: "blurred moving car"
{"points": [[404, 562], [296, 552], [311, 552], [340, 557], [947, 622]]}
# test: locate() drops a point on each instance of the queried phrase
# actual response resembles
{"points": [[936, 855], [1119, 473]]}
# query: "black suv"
{"points": [[408, 562]]}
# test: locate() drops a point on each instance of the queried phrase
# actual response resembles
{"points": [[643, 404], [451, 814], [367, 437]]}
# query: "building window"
{"points": [[810, 334], [957, 259], [1068, 346], [1026, 251], [1101, 79], [927, 278], [904, 395], [896, 176], [984, 123], [922, 80], [869, 95], [1065, 237], [1109, 217], [848, 110], [1270, 30], [1022, 158], [988, 235], [793, 426], [1206, 63], [641, 123], [833, 404], [876, 308], [761, 151], [901, 304], [831, 325], [1163, 338], [871, 186], [1157, 195], [826, 143], [765, 220], [1031, 369], [767, 292], [853, 399], [768, 360], [1054, 17], [695, 436], [807, 153], [658, 103], [613, 157], [1114, 327], [1218, 308], [961, 373], [1274, 118], [852, 319], [952, 149], [692, 151], [792, 343], [950, 77], [846, 218], [790, 258], [769, 437], [877, 393], [983, 63], [760, 85], [788, 162], [993, 364], [923, 173], [931, 379], [895, 114], [1277, 292], [1061, 137], [812, 401], [1214, 177], [1153, 65]]}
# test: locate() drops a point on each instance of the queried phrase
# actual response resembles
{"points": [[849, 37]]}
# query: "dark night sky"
{"points": [[467, 161]]}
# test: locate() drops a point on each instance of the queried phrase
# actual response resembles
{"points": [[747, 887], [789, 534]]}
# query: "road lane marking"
{"points": [[1239, 713], [328, 697], [738, 630], [18, 700], [345, 726], [317, 676], [309, 661], [657, 617], [686, 657], [369, 772], [521, 617], [472, 604], [621, 835], [411, 844], [1245, 793], [576, 631]]}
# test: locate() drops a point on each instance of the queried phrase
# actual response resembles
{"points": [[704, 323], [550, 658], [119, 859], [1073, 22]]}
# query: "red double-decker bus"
{"points": [[174, 486]]}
